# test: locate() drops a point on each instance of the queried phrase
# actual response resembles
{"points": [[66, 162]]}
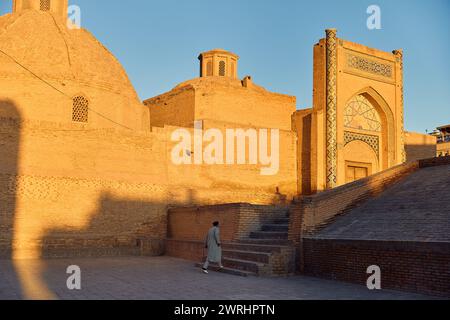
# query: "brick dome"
{"points": [[54, 62]]}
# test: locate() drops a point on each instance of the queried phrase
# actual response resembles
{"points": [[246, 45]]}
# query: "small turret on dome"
{"points": [[218, 63], [57, 7]]}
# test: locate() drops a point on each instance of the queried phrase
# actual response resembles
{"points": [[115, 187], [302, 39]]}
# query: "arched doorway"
{"points": [[368, 133]]}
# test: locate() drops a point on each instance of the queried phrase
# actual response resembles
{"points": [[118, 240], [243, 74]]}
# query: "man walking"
{"points": [[213, 245]]}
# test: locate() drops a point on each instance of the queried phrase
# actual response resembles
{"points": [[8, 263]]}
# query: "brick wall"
{"points": [[187, 229], [434, 162], [64, 217], [422, 267], [63, 184], [185, 249], [413, 266], [192, 223], [237, 220], [419, 146]]}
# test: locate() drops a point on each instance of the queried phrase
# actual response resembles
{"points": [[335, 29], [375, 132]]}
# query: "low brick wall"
{"points": [[192, 250], [422, 267], [310, 213], [51, 248], [237, 220], [439, 161], [188, 226]]}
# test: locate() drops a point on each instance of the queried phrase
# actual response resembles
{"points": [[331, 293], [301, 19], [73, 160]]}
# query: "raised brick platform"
{"points": [[404, 229], [254, 237]]}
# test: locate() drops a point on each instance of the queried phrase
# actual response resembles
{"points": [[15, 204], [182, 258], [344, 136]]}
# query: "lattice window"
{"points": [[45, 5], [222, 68], [361, 114], [373, 141], [209, 71], [80, 110]]}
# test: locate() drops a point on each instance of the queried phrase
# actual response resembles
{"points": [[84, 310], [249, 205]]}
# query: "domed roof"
{"points": [[35, 44], [208, 83]]}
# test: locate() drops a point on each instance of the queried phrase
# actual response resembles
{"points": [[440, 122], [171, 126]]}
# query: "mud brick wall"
{"points": [[80, 189]]}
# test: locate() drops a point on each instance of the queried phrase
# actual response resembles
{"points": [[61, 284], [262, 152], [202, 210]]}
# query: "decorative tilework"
{"points": [[360, 114], [369, 66], [399, 54], [331, 56], [371, 140]]}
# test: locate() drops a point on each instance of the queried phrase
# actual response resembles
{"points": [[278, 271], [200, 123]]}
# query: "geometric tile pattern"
{"points": [[361, 114], [373, 141], [399, 54], [331, 108], [370, 66]]}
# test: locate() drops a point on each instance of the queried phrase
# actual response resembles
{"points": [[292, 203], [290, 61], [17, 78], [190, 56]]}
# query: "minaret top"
{"points": [[57, 7], [219, 63]]}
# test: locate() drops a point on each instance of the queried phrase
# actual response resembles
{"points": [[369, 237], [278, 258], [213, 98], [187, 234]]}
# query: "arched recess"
{"points": [[387, 143], [360, 159]]}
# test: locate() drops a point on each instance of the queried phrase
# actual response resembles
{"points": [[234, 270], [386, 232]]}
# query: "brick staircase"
{"points": [[264, 252], [414, 209]]}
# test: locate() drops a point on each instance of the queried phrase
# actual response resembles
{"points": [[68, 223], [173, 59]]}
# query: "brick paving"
{"points": [[415, 209], [166, 278]]}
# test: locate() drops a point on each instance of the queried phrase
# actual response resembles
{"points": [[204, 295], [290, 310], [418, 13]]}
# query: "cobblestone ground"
{"points": [[165, 278]]}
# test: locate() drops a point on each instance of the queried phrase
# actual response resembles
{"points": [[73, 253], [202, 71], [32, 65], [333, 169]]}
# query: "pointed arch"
{"points": [[387, 123]]}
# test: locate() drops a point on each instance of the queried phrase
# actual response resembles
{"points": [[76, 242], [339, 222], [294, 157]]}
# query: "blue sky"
{"points": [[158, 42]]}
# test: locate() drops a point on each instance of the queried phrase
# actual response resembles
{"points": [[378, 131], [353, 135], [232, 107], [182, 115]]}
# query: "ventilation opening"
{"points": [[45, 5], [222, 68], [209, 71], [80, 109]]}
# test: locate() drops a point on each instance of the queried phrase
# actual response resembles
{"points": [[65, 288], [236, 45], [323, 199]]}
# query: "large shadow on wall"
{"points": [[118, 227], [10, 129], [114, 225]]}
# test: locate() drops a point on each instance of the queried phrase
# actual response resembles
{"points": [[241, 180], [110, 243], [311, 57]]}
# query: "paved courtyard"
{"points": [[165, 278]]}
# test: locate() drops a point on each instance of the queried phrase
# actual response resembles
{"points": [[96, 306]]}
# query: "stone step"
{"points": [[281, 221], [232, 271], [269, 235], [262, 257], [273, 242], [275, 227], [245, 265], [254, 247]]}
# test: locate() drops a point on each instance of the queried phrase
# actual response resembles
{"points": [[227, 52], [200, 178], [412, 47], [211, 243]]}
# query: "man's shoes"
{"points": [[204, 270]]}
